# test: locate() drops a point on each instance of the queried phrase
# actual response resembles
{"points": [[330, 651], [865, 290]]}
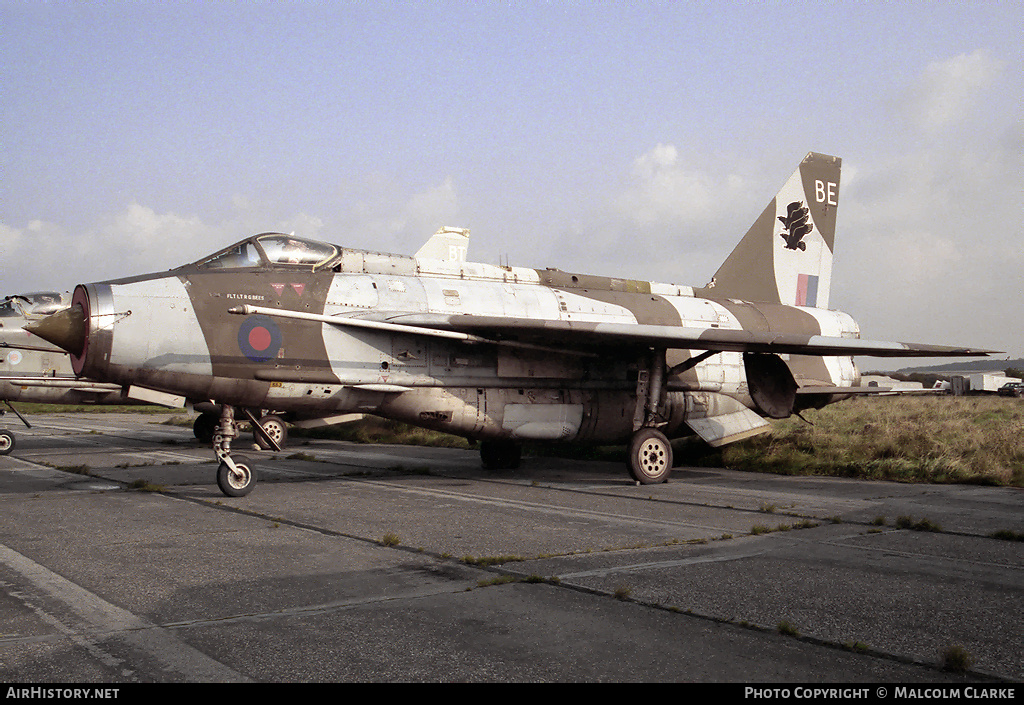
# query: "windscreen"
{"points": [[285, 249]]}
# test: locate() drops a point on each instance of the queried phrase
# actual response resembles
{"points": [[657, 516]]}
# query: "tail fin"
{"points": [[450, 244], [786, 256]]}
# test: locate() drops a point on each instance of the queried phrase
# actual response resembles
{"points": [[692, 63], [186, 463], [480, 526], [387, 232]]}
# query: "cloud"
{"points": [[10, 240], [135, 240], [669, 193], [949, 91], [385, 215], [144, 238], [429, 209], [674, 219]]}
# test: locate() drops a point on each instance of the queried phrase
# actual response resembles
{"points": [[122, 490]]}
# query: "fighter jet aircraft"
{"points": [[494, 353], [34, 370]]}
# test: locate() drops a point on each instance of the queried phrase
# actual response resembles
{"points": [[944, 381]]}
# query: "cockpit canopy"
{"points": [[271, 249], [39, 303]]}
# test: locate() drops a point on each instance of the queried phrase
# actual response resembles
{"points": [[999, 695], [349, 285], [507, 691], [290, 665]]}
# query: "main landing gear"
{"points": [[650, 452], [236, 476], [273, 427]]}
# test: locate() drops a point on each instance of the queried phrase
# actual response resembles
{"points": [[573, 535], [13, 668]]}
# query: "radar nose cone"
{"points": [[65, 329]]}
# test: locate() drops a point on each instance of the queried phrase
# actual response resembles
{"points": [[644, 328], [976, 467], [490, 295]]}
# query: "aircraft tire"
{"points": [[650, 457], [6, 442], [500, 455], [232, 485], [205, 426], [276, 428]]}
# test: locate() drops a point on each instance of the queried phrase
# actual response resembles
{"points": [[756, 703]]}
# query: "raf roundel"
{"points": [[259, 338]]}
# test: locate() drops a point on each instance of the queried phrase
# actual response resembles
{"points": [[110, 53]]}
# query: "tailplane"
{"points": [[786, 256]]}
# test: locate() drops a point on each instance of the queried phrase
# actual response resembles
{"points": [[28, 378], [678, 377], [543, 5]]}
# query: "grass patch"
{"points": [[76, 469], [404, 470], [485, 561], [905, 439], [145, 486], [35, 408], [907, 522], [787, 629], [302, 456], [376, 430], [500, 580], [957, 659]]}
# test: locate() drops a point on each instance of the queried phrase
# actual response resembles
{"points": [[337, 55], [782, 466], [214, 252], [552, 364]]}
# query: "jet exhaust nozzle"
{"points": [[65, 329]]}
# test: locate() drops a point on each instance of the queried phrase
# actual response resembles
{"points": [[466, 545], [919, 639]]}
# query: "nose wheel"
{"points": [[6, 442], [236, 481]]}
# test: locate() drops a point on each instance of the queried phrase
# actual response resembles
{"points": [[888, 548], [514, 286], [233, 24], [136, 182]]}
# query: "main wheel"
{"points": [[6, 442], [236, 484], [205, 426], [650, 457], [273, 426], [500, 455]]}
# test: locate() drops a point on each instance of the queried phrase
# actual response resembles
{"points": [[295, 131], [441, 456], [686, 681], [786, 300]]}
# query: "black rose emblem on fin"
{"points": [[796, 226]]}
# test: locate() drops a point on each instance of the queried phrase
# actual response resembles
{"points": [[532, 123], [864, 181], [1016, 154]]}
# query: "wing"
{"points": [[586, 338]]}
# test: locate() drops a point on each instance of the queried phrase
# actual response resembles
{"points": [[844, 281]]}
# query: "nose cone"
{"points": [[65, 329]]}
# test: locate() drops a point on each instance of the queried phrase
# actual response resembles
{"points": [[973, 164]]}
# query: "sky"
{"points": [[634, 139]]}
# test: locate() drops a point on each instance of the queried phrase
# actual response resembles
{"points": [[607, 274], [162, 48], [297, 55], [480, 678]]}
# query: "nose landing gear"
{"points": [[237, 476], [6, 442]]}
